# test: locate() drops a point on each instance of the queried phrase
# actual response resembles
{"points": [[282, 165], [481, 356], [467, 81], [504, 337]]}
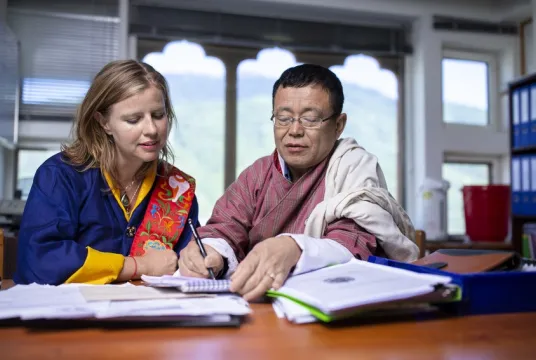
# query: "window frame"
{"points": [[492, 163], [31, 146], [232, 57], [493, 118]]}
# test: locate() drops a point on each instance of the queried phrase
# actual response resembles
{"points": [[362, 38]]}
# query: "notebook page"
{"points": [[358, 283], [188, 284], [166, 280]]}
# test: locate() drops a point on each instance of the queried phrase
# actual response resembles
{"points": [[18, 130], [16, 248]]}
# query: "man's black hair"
{"points": [[311, 74]]}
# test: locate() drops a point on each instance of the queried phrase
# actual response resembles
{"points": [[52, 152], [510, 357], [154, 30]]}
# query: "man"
{"points": [[316, 201]]}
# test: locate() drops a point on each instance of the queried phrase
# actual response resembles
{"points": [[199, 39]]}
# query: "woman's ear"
{"points": [[103, 122]]}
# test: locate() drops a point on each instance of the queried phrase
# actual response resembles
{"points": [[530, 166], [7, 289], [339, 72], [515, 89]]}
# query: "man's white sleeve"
{"points": [[318, 253]]}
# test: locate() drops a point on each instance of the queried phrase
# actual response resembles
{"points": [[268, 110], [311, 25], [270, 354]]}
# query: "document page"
{"points": [[117, 293], [32, 298], [358, 283]]}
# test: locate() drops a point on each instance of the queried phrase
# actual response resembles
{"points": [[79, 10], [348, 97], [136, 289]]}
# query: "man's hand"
{"points": [[266, 266], [192, 263], [157, 262]]}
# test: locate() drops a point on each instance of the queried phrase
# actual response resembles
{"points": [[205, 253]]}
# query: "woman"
{"points": [[109, 207]]}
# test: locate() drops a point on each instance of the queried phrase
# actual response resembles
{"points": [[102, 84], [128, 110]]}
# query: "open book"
{"points": [[347, 289]]}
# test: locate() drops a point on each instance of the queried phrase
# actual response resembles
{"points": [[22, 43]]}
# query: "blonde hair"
{"points": [[92, 146]]}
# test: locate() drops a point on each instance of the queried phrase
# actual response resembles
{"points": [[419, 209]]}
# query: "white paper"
{"points": [[292, 311], [221, 305], [117, 293], [68, 302], [358, 283], [24, 297], [279, 312], [65, 312]]}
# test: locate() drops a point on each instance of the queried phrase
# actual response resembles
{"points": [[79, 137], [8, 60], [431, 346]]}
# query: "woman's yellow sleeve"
{"points": [[99, 268]]}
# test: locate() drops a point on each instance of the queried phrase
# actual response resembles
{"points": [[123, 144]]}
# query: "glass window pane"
{"points": [[460, 174], [255, 81], [371, 95], [28, 162], [465, 92], [197, 87]]}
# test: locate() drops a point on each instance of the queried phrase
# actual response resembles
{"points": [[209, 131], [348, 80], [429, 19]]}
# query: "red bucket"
{"points": [[487, 212]]}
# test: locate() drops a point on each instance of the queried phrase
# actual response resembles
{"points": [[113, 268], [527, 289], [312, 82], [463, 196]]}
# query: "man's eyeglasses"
{"points": [[309, 122]]}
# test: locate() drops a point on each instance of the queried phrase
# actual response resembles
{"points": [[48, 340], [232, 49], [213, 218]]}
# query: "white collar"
{"points": [[284, 167]]}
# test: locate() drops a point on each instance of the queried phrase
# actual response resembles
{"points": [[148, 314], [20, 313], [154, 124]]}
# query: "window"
{"points": [[60, 54], [255, 81], [197, 90], [9, 84], [28, 162], [458, 175], [371, 95], [466, 89]]}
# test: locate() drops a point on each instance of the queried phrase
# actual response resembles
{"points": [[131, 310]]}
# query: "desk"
{"points": [[430, 246], [509, 336]]}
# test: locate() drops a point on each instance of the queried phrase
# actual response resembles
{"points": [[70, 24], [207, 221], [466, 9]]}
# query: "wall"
{"points": [[529, 49], [3, 14], [474, 9], [529, 40]]}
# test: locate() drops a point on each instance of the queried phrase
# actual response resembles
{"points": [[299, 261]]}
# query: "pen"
{"points": [[201, 247]]}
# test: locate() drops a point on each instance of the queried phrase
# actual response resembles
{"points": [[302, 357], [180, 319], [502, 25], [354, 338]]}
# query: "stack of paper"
{"points": [[120, 303], [355, 287]]}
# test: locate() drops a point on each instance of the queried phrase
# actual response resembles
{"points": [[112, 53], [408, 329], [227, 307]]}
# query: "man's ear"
{"points": [[103, 122], [340, 124]]}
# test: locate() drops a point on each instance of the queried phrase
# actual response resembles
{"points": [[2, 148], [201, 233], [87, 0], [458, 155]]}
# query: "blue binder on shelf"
{"points": [[516, 139], [525, 185], [485, 292], [516, 185], [524, 139], [531, 210], [532, 115]]}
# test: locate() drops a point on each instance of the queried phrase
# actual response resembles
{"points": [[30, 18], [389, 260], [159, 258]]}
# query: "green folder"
{"points": [[363, 288], [432, 298]]}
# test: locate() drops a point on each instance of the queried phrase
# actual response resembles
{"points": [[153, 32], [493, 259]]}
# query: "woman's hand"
{"points": [[157, 262], [192, 263]]}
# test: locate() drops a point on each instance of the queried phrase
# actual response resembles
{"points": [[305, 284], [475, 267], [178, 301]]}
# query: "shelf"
{"points": [[524, 150], [433, 246], [524, 80], [524, 217]]}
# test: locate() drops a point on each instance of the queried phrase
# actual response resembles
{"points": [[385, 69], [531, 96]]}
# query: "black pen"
{"points": [[201, 247]]}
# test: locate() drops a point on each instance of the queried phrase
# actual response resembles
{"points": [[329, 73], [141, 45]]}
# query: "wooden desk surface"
{"points": [[510, 336]]}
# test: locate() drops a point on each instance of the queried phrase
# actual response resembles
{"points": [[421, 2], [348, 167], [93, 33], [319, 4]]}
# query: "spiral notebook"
{"points": [[188, 284], [528, 264]]}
